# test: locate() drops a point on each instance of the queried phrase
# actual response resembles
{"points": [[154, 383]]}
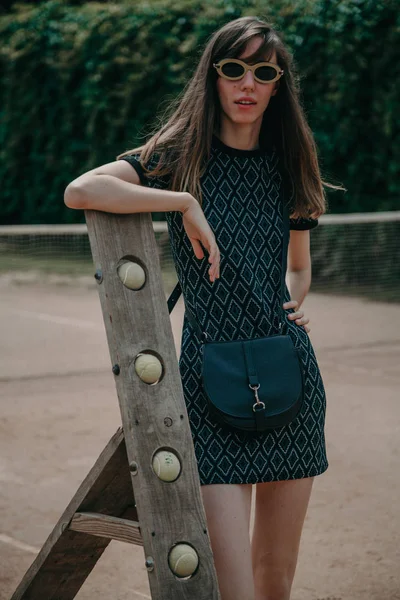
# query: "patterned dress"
{"points": [[242, 204]]}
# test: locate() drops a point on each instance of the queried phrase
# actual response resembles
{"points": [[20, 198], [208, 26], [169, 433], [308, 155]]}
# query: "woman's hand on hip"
{"points": [[297, 316]]}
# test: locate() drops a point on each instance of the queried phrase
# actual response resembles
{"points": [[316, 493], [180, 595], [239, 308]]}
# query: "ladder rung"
{"points": [[108, 527]]}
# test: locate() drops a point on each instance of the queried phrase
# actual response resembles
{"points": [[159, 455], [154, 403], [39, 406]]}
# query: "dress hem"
{"points": [[320, 472]]}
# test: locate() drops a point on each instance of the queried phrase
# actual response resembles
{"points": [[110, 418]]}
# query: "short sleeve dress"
{"points": [[242, 204]]}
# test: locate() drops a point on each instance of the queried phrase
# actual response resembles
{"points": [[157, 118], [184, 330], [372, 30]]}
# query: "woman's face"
{"points": [[229, 92]]}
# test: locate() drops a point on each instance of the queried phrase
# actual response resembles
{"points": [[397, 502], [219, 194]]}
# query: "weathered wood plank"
{"points": [[68, 557], [113, 528], [153, 416]]}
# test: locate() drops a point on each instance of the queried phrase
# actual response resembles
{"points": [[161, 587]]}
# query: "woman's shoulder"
{"points": [[143, 169]]}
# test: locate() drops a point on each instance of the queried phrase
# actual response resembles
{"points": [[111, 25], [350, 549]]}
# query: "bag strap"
{"points": [[176, 292]]}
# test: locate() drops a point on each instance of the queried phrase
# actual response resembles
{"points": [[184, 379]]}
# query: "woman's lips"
{"points": [[244, 105]]}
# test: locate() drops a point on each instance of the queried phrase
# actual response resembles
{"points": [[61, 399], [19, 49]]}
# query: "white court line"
{"points": [[6, 539], [55, 319]]}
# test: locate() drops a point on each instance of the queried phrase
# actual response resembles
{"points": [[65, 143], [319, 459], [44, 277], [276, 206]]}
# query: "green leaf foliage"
{"points": [[81, 84]]}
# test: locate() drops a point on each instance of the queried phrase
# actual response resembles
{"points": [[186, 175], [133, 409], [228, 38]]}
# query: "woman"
{"points": [[232, 142]]}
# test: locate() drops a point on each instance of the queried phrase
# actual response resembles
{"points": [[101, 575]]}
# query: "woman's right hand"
{"points": [[200, 234]]}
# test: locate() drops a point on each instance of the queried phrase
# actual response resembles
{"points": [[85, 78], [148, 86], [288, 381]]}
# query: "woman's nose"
{"points": [[248, 79]]}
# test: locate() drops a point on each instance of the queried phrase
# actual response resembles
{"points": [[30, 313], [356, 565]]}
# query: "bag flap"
{"points": [[278, 366]]}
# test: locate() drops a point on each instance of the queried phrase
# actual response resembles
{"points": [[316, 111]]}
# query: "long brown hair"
{"points": [[183, 143]]}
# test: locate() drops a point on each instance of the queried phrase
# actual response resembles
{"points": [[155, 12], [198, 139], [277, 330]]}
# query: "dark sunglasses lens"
{"points": [[231, 69], [265, 73]]}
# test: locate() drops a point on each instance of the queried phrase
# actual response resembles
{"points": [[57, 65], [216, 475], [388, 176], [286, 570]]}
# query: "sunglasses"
{"points": [[234, 69]]}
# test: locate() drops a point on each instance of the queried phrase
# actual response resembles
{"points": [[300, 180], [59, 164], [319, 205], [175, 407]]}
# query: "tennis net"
{"points": [[352, 254]]}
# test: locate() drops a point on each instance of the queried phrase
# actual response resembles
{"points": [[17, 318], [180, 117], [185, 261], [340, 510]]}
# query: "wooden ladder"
{"points": [[144, 488]]}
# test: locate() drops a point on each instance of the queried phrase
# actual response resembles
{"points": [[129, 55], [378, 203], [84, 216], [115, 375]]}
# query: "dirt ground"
{"points": [[58, 408]]}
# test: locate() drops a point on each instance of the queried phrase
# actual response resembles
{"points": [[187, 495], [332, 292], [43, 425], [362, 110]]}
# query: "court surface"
{"points": [[58, 408]]}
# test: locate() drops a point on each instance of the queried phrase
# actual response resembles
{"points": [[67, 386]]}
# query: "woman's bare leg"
{"points": [[227, 509], [280, 510]]}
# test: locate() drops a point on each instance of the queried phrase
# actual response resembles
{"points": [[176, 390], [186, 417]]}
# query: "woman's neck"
{"points": [[242, 141]]}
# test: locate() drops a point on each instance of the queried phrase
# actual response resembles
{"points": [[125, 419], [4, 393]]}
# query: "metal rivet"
{"points": [[98, 276], [116, 370], [133, 467], [149, 563]]}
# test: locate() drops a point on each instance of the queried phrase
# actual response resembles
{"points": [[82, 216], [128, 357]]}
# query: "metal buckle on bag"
{"points": [[260, 405]]}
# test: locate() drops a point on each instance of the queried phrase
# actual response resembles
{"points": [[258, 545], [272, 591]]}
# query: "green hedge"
{"points": [[80, 84]]}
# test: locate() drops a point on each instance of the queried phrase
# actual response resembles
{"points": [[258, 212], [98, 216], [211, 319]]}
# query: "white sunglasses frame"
{"points": [[218, 66]]}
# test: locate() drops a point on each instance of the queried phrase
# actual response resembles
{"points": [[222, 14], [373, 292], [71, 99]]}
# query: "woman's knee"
{"points": [[227, 509], [272, 584]]}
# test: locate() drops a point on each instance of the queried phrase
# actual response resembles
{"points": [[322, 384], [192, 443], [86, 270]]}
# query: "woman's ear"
{"points": [[275, 88]]}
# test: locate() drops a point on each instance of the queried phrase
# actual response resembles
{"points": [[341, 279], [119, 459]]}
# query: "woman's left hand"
{"points": [[298, 316]]}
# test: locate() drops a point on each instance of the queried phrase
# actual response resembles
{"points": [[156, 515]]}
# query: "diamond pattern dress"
{"points": [[242, 204]]}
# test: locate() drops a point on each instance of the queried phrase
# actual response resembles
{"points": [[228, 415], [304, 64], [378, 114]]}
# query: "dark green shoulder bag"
{"points": [[256, 384]]}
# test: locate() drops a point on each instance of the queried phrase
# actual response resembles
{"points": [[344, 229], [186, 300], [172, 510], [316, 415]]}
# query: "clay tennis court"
{"points": [[58, 408]]}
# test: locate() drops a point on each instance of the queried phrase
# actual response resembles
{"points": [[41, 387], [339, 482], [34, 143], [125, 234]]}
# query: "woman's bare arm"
{"points": [[115, 187], [299, 265]]}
